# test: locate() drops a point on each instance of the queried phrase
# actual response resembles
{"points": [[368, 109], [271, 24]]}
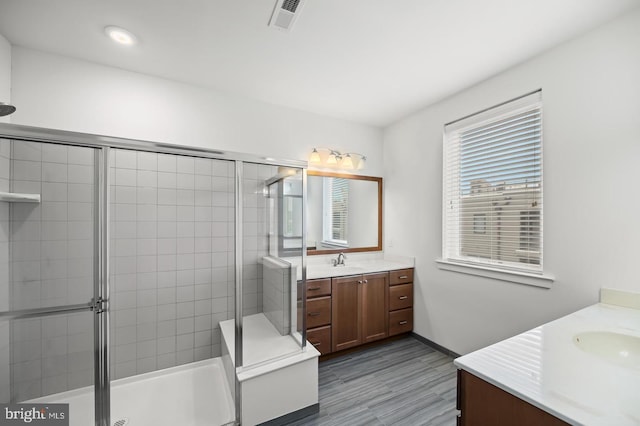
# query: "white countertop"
{"points": [[354, 268], [546, 368]]}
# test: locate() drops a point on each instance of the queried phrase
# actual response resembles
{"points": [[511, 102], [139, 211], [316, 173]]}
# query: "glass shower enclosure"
{"points": [[121, 260]]}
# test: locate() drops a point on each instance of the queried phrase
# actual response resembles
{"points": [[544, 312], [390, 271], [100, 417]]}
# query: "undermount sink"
{"points": [[620, 349]]}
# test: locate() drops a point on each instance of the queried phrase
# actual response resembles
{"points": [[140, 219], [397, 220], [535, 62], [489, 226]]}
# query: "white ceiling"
{"points": [[369, 61]]}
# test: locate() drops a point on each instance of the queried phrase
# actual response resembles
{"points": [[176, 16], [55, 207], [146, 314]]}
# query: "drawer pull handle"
{"points": [[365, 281], [402, 322], [403, 277], [316, 343], [313, 288], [403, 297], [359, 281], [314, 314]]}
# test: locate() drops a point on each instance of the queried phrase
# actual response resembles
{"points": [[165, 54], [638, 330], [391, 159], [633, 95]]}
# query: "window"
{"points": [[335, 218], [492, 178]]}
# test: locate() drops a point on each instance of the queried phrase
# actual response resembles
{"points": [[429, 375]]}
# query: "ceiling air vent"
{"points": [[285, 13]]}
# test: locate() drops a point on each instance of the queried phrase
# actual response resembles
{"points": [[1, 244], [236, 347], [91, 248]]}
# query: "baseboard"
{"points": [[293, 416], [434, 345]]}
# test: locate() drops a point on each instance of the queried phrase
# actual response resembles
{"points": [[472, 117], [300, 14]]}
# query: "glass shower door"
{"points": [[49, 279]]}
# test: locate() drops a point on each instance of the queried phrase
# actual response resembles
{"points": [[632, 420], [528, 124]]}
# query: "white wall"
{"points": [[591, 96], [62, 93], [5, 75]]}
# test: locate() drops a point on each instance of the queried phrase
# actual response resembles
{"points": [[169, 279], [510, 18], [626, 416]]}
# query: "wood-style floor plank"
{"points": [[403, 382]]}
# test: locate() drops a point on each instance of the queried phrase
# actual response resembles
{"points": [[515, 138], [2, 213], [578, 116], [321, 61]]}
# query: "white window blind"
{"points": [[492, 177], [336, 194]]}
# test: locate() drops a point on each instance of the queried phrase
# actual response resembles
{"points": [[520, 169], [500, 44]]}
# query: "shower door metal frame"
{"points": [[100, 303]]}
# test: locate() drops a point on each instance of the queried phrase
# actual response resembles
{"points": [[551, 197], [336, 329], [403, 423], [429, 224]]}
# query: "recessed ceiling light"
{"points": [[120, 35]]}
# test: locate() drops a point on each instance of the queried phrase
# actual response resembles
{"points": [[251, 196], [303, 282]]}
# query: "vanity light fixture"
{"points": [[120, 35], [345, 160]]}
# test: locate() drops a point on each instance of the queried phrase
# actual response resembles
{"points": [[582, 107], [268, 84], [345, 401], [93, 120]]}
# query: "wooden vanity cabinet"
{"points": [[481, 403], [359, 307], [400, 301], [319, 314]]}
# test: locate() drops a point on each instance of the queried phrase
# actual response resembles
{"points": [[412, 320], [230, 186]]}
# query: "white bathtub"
{"points": [[195, 394]]}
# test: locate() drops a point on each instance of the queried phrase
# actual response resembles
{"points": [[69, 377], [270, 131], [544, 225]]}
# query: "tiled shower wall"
{"points": [[5, 369], [172, 259], [51, 263], [255, 229]]}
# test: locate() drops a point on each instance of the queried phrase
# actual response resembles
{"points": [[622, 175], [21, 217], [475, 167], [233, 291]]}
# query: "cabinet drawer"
{"points": [[318, 312], [317, 288], [320, 338], [401, 276], [400, 297], [400, 321]]}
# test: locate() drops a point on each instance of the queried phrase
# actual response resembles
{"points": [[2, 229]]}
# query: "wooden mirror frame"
{"points": [[357, 177]]}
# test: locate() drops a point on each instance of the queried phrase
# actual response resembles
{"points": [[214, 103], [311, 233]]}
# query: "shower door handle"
{"points": [[38, 312]]}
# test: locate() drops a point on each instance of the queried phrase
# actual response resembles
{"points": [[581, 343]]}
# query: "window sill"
{"points": [[541, 280]]}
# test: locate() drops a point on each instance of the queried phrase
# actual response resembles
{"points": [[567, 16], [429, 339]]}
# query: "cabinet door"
{"points": [[346, 330], [375, 307]]}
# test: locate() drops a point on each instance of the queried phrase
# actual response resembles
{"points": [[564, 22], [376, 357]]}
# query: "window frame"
{"points": [[452, 235]]}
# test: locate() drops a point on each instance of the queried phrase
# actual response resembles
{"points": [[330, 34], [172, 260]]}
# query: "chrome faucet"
{"points": [[340, 260]]}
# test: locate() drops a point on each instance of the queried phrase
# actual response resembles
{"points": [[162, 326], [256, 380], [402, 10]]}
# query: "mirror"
{"points": [[344, 213]]}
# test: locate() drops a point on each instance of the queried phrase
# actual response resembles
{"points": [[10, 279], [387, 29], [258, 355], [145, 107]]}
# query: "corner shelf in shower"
{"points": [[14, 197]]}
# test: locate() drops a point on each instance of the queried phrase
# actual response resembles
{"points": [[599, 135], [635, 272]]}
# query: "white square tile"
{"points": [[167, 180], [185, 229], [54, 211], [80, 230], [167, 213], [167, 163], [126, 159], [147, 161], [147, 246], [147, 195], [147, 178], [203, 307], [185, 181], [185, 164], [54, 153], [147, 280], [81, 155], [203, 229], [185, 262], [167, 246], [80, 212], [126, 194], [184, 326], [166, 263], [82, 193], [147, 230], [26, 170], [80, 174], [184, 341], [80, 249], [167, 196], [202, 183], [166, 345], [203, 276], [185, 277], [29, 151], [166, 295], [147, 212], [202, 166], [166, 312], [166, 329], [125, 177], [185, 197], [123, 229], [185, 213]]}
